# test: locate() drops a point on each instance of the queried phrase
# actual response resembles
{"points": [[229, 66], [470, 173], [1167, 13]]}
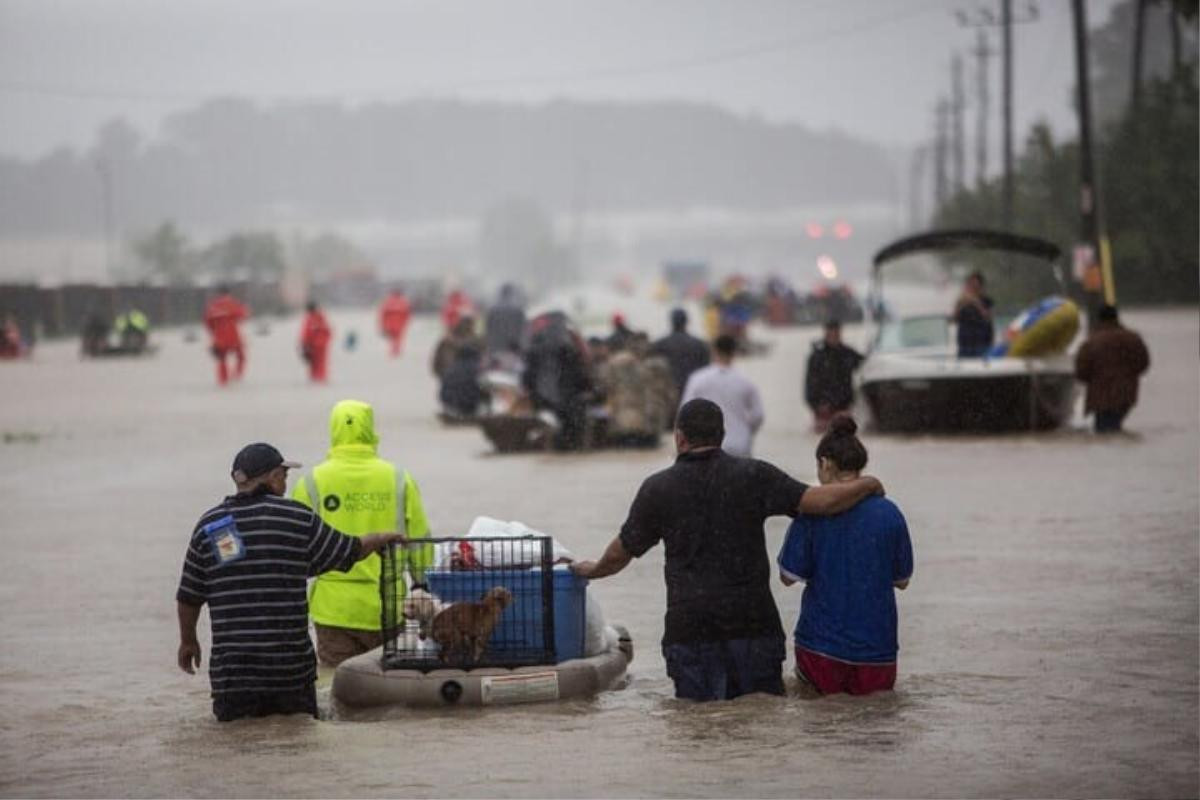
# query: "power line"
{"points": [[629, 71]]}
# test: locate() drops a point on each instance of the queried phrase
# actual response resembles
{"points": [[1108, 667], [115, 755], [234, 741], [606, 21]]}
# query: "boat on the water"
{"points": [[913, 379]]}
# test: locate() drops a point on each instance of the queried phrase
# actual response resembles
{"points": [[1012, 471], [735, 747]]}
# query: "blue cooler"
{"points": [[519, 635]]}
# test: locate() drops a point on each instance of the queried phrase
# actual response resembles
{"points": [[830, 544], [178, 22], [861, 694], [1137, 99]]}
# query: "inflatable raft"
{"points": [[1044, 329], [362, 682]]}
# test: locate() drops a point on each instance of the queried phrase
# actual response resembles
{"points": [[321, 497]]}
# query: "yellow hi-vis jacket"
{"points": [[357, 492]]}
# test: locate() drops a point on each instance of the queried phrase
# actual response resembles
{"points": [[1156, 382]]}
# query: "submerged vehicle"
{"points": [[913, 379]]}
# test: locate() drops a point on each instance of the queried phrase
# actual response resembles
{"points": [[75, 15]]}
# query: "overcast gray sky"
{"points": [[873, 68]]}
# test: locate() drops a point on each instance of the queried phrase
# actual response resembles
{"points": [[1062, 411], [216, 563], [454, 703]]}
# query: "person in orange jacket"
{"points": [[315, 334], [393, 319], [221, 317]]}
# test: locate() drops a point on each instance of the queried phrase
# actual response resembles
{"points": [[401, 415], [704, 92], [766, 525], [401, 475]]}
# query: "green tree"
{"points": [[164, 254], [253, 255], [1147, 160]]}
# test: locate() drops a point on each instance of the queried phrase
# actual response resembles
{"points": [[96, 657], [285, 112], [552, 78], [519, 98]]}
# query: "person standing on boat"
{"points": [[1110, 363], [828, 386], [722, 637], [851, 564], [248, 559], [973, 318]]}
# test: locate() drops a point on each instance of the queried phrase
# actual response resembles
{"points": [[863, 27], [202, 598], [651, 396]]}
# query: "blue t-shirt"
{"points": [[849, 562]]}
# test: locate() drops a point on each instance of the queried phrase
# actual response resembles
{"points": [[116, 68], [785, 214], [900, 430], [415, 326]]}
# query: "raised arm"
{"points": [[615, 559], [834, 498]]}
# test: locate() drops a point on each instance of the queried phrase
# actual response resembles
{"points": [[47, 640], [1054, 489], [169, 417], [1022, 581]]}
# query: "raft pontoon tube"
{"points": [[362, 682]]}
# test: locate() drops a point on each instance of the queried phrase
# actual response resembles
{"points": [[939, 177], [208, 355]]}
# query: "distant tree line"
{"points": [[232, 163], [165, 255], [1147, 159]]}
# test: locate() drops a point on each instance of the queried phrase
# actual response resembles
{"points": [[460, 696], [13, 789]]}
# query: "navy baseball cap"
{"points": [[258, 459]]}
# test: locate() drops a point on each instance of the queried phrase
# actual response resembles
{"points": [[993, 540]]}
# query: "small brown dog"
{"points": [[462, 629]]}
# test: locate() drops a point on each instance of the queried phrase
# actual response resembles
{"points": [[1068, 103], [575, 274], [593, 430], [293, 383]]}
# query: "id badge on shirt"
{"points": [[227, 544]]}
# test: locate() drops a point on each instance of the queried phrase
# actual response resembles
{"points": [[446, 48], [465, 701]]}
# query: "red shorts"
{"points": [[830, 676]]}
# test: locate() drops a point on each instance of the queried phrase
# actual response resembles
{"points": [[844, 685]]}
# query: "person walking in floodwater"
{"points": [[222, 316], [1110, 363], [393, 319], [828, 376], [973, 318], [248, 560], [722, 636], [315, 335], [851, 563], [738, 398]]}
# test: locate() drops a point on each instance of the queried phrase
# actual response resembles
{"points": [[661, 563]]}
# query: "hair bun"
{"points": [[843, 425]]}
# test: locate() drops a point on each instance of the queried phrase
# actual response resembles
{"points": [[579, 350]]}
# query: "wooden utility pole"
{"points": [[957, 109], [1139, 37], [1006, 60], [941, 190], [1097, 274], [982, 53], [917, 187], [984, 18]]}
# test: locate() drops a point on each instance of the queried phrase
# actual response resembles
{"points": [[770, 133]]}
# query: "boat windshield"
{"points": [[914, 294]]}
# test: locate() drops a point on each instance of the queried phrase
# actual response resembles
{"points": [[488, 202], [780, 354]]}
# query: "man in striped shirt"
{"points": [[249, 559]]}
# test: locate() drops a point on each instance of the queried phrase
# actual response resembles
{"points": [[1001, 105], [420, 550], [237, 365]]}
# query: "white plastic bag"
{"points": [[525, 553]]}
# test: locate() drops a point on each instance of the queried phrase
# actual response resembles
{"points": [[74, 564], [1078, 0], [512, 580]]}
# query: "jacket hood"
{"points": [[352, 422]]}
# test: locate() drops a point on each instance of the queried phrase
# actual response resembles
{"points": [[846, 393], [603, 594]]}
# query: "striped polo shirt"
{"points": [[249, 559]]}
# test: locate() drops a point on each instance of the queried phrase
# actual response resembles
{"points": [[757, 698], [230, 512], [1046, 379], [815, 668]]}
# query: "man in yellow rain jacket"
{"points": [[357, 492]]}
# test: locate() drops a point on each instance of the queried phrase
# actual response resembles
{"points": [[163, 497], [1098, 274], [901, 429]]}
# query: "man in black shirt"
{"points": [[684, 352], [249, 559], [828, 386], [722, 635], [973, 316]]}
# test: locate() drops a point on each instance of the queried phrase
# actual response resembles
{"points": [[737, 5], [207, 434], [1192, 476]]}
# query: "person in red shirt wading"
{"points": [[393, 319], [221, 317], [315, 334]]}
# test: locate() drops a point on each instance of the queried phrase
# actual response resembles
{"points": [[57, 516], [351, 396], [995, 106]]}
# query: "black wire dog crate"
{"points": [[490, 603]]}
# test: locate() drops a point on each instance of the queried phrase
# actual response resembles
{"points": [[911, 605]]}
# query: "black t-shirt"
{"points": [[829, 376], [708, 510], [685, 353], [975, 331]]}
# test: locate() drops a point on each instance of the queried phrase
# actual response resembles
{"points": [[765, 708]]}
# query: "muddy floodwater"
{"points": [[1049, 639]]}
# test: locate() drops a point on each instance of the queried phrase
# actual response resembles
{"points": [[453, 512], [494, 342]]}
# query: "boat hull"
{"points": [[997, 403]]}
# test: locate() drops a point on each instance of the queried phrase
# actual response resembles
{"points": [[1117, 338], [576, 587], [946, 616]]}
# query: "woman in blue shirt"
{"points": [[850, 562]]}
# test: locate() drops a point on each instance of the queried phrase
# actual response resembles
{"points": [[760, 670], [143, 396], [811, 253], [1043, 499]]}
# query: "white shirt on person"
{"points": [[739, 401]]}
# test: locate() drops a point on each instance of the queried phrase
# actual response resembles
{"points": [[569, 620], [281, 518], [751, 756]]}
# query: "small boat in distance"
{"points": [[913, 379]]}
